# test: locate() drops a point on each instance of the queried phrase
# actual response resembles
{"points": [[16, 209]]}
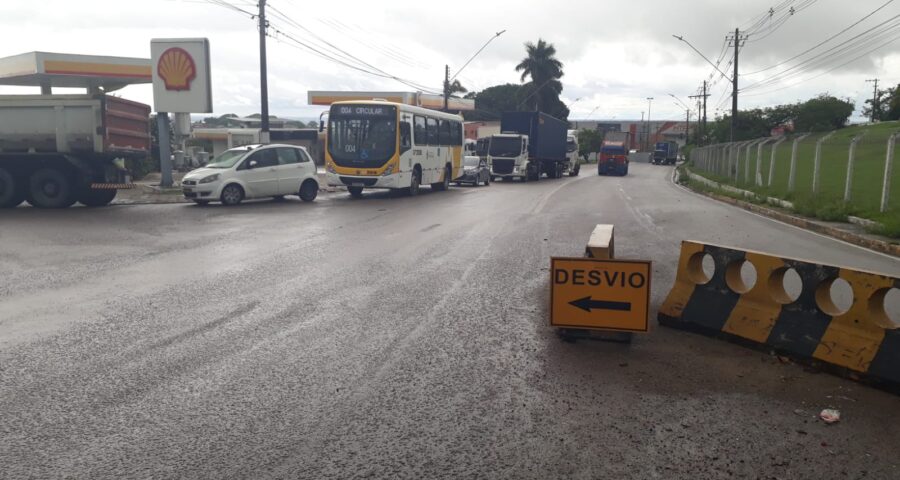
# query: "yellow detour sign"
{"points": [[600, 294]]}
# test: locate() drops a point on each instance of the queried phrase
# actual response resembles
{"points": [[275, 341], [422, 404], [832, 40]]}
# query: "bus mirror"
{"points": [[321, 126]]}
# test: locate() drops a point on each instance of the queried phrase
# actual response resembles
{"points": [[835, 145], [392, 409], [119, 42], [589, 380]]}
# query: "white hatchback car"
{"points": [[254, 171]]}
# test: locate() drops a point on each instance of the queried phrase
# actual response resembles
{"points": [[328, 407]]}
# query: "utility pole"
{"points": [[703, 129], [647, 137], [874, 98], [700, 113], [446, 87], [687, 126], [736, 41], [263, 77]]}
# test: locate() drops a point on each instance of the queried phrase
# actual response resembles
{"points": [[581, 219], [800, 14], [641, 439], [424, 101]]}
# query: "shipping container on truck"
{"points": [[665, 153], [530, 144], [56, 150], [613, 158]]}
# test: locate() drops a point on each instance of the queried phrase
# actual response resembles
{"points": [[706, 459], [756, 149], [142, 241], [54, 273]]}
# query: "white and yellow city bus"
{"points": [[379, 144]]}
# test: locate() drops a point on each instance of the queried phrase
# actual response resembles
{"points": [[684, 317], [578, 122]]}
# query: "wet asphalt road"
{"points": [[398, 338]]}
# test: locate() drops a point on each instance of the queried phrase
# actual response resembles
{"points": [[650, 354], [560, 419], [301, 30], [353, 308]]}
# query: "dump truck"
{"points": [[56, 150], [665, 153], [529, 145]]}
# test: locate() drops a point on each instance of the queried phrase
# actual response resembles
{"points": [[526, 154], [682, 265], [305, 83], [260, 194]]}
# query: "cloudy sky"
{"points": [[615, 53]]}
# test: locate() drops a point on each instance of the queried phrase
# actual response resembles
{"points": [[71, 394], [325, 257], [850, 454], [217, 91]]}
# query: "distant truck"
{"points": [[665, 153], [573, 166], [56, 150], [530, 144], [613, 158]]}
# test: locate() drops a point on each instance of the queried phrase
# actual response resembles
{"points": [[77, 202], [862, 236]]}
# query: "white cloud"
{"points": [[615, 53]]}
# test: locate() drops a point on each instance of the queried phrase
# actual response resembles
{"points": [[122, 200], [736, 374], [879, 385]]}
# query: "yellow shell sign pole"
{"points": [[598, 297]]}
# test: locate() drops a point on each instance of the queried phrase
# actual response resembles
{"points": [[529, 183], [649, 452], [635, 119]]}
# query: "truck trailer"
{"points": [[665, 153], [56, 150], [530, 144]]}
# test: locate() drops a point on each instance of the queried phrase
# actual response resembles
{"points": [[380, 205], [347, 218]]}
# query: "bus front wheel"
{"points": [[414, 183], [355, 192]]}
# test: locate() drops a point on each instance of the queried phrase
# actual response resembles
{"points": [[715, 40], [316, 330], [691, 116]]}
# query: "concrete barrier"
{"points": [[860, 341]]}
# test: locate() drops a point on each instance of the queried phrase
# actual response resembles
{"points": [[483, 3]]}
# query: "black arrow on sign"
{"points": [[587, 304]]}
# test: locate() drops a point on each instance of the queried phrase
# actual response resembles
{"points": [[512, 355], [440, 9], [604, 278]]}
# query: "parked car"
{"points": [[253, 171], [475, 171]]}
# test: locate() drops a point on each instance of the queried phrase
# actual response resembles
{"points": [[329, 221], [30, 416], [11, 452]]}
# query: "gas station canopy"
{"points": [[48, 70]]}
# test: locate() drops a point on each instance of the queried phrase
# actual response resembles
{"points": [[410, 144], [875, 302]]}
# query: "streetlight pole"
{"points": [[448, 78], [647, 137]]}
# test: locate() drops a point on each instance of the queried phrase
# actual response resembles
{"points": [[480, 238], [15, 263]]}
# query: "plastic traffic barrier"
{"points": [[860, 341]]}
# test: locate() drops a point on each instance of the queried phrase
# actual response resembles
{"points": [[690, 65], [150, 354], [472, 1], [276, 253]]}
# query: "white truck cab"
{"points": [[508, 158], [573, 166]]}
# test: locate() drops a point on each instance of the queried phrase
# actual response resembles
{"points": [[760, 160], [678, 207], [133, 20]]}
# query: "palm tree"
{"points": [[457, 87], [545, 71]]}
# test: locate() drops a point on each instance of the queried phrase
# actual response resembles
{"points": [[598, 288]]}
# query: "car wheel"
{"points": [[414, 183], [50, 188], [308, 191], [232, 195], [97, 198]]}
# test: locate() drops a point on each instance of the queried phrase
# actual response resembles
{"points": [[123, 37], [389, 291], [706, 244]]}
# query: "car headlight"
{"points": [[389, 170], [209, 179]]}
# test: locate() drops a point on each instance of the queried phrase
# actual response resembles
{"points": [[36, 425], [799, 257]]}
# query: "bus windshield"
{"points": [[506, 146], [362, 135]]}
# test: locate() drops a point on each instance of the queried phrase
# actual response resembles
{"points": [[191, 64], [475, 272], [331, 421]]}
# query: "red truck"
{"points": [[613, 158]]}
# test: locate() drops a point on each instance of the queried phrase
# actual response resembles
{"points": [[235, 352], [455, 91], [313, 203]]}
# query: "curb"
{"points": [[806, 224]]}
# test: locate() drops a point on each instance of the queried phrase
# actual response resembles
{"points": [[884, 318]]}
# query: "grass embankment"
{"points": [[828, 204]]}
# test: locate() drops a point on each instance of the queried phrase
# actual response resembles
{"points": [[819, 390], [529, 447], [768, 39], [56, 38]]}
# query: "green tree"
{"points": [[545, 70], [491, 102], [824, 112], [750, 124], [589, 141], [881, 107], [893, 105]]}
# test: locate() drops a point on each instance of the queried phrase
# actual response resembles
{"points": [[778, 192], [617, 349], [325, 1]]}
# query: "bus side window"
{"points": [[405, 137], [421, 132], [446, 133], [433, 135]]}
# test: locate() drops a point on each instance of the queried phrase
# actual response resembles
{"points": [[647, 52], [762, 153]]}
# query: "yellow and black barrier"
{"points": [[860, 341]]}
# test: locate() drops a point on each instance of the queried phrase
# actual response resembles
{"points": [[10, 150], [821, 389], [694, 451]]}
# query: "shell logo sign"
{"points": [[177, 69], [182, 78]]}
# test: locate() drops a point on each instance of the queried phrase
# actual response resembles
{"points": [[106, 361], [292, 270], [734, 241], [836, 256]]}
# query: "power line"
{"points": [[302, 45], [348, 57], [823, 41], [892, 40], [848, 47]]}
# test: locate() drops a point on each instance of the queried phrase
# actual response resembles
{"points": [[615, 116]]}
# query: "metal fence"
{"points": [[853, 164]]}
